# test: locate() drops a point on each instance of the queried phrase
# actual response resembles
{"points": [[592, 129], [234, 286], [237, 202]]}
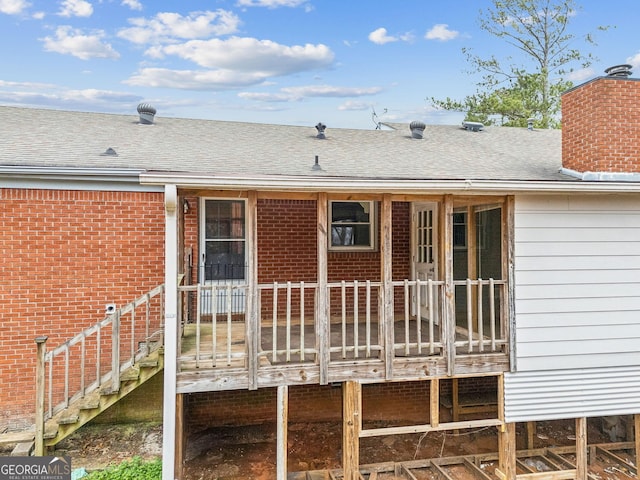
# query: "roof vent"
{"points": [[109, 152], [473, 126], [623, 70], [417, 129], [147, 113], [320, 127]]}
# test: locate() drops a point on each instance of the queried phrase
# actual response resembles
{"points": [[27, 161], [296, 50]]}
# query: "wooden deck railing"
{"points": [[289, 320], [98, 354], [484, 326]]}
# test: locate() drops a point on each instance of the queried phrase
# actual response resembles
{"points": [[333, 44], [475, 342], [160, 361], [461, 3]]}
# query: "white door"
{"points": [[424, 255], [223, 254]]}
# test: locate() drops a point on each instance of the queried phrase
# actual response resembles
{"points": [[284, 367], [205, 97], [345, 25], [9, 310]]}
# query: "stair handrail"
{"points": [[45, 383]]}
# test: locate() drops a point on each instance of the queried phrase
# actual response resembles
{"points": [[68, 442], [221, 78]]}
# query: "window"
{"points": [[352, 225], [459, 230]]}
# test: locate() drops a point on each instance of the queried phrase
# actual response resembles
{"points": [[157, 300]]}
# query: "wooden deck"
{"points": [[217, 359]]}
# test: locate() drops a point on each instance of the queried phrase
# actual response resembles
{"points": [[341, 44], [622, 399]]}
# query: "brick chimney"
{"points": [[601, 124]]}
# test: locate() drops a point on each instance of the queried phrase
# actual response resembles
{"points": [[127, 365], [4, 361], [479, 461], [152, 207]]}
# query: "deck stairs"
{"points": [[82, 407], [83, 410]]}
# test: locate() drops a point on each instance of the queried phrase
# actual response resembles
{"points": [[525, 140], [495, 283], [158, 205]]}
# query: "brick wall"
{"points": [[398, 403], [601, 125], [65, 256], [287, 244]]}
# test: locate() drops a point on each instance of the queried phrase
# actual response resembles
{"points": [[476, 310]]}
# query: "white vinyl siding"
{"points": [[577, 302], [577, 281], [553, 395]]}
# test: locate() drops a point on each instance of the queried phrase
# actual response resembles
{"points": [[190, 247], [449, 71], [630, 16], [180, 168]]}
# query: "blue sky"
{"points": [[296, 62]]}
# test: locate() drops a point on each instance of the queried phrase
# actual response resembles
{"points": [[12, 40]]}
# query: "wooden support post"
{"points": [[508, 304], [434, 395], [448, 321], [455, 400], [180, 436], [636, 422], [531, 435], [386, 262], [472, 266], [252, 325], [41, 343], [581, 448], [282, 425], [351, 426], [507, 451], [322, 312], [500, 399]]}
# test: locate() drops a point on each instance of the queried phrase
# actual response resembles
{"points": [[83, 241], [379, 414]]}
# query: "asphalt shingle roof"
{"points": [[53, 138]]}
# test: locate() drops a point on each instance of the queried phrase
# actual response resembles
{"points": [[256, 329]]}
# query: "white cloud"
{"points": [[193, 79], [579, 76], [296, 94], [354, 106], [243, 54], [50, 95], [75, 8], [271, 3], [167, 27], [441, 32], [13, 7], [39, 15], [265, 97], [69, 41], [380, 36], [132, 4], [329, 91], [634, 61]]}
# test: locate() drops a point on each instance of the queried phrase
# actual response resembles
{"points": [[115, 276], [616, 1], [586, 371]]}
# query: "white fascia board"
{"points": [[380, 185], [65, 178]]}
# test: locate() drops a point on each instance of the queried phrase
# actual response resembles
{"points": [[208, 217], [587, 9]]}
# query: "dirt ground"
{"points": [[234, 453]]}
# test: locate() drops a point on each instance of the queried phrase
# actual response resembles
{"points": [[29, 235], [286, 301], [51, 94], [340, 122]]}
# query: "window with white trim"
{"points": [[352, 225]]}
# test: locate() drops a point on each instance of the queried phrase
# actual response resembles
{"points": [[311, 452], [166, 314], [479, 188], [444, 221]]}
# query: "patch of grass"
{"points": [[134, 469]]}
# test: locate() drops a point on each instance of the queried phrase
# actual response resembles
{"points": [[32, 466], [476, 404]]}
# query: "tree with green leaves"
{"points": [[515, 89]]}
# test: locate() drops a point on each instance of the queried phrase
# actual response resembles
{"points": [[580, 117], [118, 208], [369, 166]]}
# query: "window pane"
{"points": [[352, 212], [357, 235], [224, 219], [224, 260]]}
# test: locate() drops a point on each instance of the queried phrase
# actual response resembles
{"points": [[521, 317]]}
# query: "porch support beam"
{"points": [[181, 436], [509, 242], [322, 304], [448, 321], [170, 334], [636, 422], [282, 424], [434, 402], [581, 448], [351, 426], [386, 275], [507, 452], [252, 323]]}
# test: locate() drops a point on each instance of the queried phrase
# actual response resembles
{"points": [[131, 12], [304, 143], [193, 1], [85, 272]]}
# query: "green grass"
{"points": [[134, 469]]}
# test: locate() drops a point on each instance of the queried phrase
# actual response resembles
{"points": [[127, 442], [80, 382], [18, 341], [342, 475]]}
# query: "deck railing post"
{"points": [[41, 343], [115, 352]]}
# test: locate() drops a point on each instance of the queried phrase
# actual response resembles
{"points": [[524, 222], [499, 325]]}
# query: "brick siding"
{"points": [[65, 256], [600, 125]]}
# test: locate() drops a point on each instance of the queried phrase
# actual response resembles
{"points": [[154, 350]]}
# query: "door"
{"points": [[223, 254], [424, 255]]}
